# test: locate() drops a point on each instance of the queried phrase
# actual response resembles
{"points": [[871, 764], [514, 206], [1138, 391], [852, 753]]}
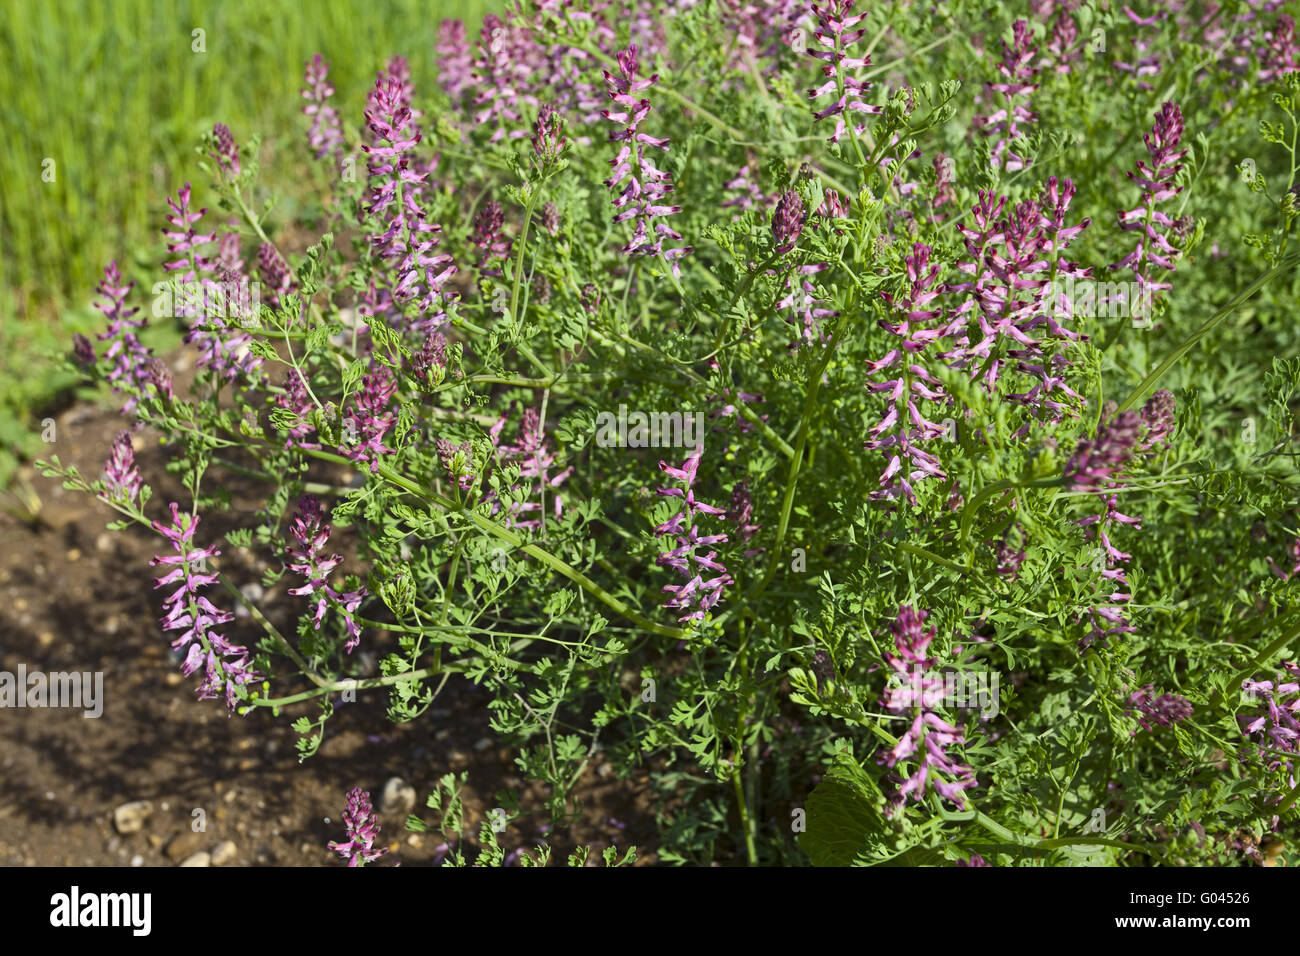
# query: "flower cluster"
{"points": [[507, 59], [224, 151], [1015, 294], [1016, 87], [458, 462], [274, 272], [1097, 462], [488, 236], [787, 221], [455, 61], [1162, 711], [126, 357], [121, 478], [1276, 728], [1144, 65], [227, 669], [548, 135], [402, 236], [369, 419], [1282, 53], [897, 434], [536, 463], [311, 533], [221, 348], [326, 134], [916, 690], [362, 827], [642, 198], [835, 33], [1153, 247], [1096, 466], [697, 596]]}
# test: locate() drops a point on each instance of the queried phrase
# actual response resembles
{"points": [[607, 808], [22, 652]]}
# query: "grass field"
{"points": [[101, 104]]}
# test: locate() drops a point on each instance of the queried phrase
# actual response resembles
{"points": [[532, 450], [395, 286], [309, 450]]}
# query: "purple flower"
{"points": [[221, 348], [697, 596], [536, 463], [740, 512], [83, 352], [455, 61], [365, 426], [916, 689], [1107, 619], [1158, 416], [1144, 65], [1157, 182], [185, 243], [1018, 289], [507, 57], [897, 434], [224, 151], [362, 828], [807, 309], [121, 478], [835, 23], [326, 135], [1007, 122], [126, 358], [787, 221], [487, 236], [229, 252], [458, 461], [402, 236], [647, 187], [549, 217], [432, 354], [548, 135], [226, 666], [274, 272], [1009, 558], [1163, 711], [295, 398], [1275, 726], [1060, 46], [762, 28], [1281, 54], [748, 194], [311, 533], [160, 377], [1097, 462]]}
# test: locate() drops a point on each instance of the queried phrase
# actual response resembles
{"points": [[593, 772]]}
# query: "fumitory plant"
{"points": [[871, 425]]}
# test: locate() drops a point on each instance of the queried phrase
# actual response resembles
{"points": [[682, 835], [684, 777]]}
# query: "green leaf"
{"points": [[844, 824]]}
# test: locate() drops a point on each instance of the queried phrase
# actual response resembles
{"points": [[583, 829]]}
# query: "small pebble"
{"points": [[398, 797], [137, 860], [224, 853], [130, 817], [202, 858], [184, 844]]}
